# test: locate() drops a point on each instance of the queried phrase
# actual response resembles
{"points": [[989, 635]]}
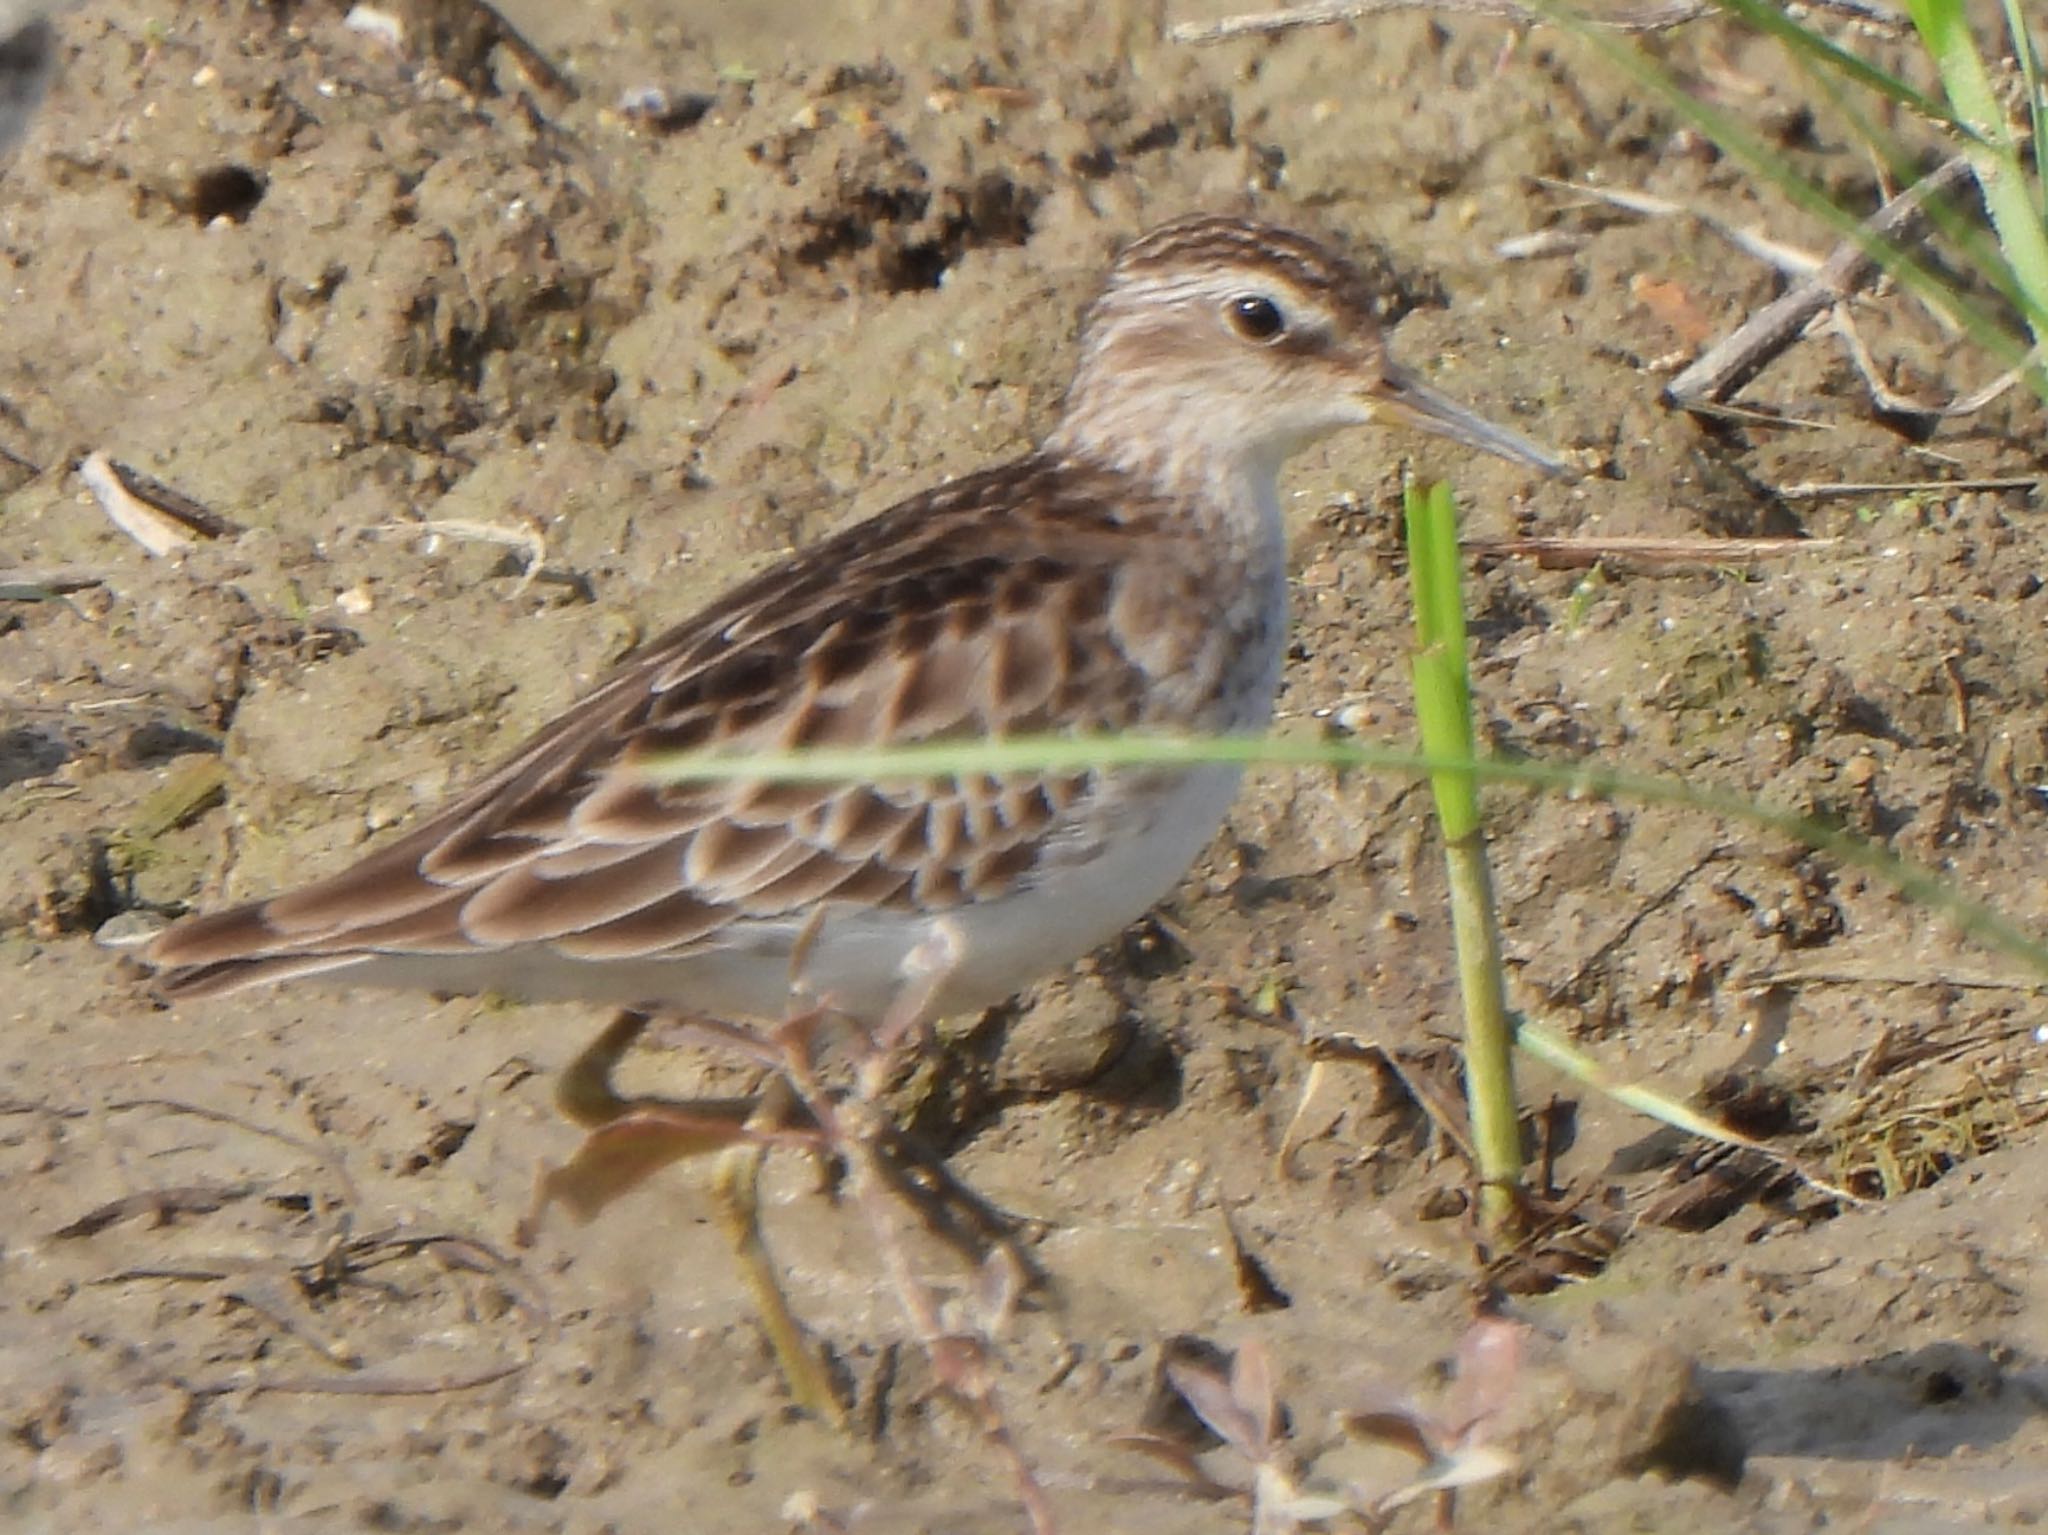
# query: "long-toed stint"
{"points": [[1129, 574]]}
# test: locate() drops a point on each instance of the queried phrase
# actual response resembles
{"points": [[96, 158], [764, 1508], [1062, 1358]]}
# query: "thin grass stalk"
{"points": [[1443, 709], [2027, 54], [1826, 56], [1065, 754], [1578, 780], [2015, 215]]}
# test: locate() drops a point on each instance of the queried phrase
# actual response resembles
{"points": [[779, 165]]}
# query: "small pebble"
{"points": [[374, 21]]}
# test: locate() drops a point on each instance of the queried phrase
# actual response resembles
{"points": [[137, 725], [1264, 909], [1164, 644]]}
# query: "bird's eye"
{"points": [[1256, 317]]}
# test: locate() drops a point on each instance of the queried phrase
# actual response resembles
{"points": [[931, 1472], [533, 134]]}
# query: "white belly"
{"points": [[1007, 944]]}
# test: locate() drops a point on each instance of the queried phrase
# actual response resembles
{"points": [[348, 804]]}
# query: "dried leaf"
{"points": [[1397, 1423], [1489, 1362], [1462, 1468], [1279, 1503], [150, 512], [1256, 1290], [1179, 1456], [367, 1383], [161, 1205], [1215, 1403], [1251, 1387]]}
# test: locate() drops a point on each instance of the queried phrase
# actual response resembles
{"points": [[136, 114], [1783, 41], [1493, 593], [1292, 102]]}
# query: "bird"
{"points": [[1127, 574]]}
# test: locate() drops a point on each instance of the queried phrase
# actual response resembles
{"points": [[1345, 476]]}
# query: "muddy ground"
{"points": [[257, 1258]]}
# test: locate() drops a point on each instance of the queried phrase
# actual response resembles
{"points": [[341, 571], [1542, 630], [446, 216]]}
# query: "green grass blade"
{"points": [[1830, 58], [1073, 754], [1443, 708], [2028, 56], [2008, 197], [1561, 1055], [1066, 754], [1830, 68]]}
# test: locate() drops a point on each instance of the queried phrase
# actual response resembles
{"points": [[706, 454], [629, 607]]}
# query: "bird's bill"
{"points": [[1405, 400]]}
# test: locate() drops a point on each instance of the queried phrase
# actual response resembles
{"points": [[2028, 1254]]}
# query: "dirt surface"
{"points": [[257, 1258]]}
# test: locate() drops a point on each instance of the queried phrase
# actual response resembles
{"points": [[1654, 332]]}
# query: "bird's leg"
{"points": [[857, 1127], [631, 1139], [910, 1017], [584, 1094], [735, 1192]]}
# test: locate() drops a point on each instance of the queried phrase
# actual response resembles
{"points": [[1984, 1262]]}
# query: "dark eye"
{"points": [[1256, 317]]}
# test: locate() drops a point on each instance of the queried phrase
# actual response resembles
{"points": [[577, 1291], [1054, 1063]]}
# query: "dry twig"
{"points": [[157, 517], [1726, 367], [1748, 239], [47, 583], [1825, 490], [1653, 554], [529, 541], [1652, 17]]}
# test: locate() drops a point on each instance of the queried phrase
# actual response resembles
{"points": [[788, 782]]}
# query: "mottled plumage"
{"points": [[1129, 574]]}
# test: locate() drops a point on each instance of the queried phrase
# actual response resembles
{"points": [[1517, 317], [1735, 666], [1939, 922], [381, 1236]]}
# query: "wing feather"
{"points": [[982, 608]]}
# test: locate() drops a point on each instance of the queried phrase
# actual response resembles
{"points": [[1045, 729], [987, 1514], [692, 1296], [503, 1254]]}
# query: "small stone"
{"points": [[1067, 1032], [1675, 1429]]}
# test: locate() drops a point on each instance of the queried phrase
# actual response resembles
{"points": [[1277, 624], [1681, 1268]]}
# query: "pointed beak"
{"points": [[1402, 399]]}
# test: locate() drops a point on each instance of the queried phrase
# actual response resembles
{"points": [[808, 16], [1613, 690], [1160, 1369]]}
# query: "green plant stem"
{"points": [[1443, 706], [1945, 31], [1070, 754], [2028, 57], [1489, 1031]]}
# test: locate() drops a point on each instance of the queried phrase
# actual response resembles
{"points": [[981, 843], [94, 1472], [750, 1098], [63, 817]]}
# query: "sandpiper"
{"points": [[1129, 574]]}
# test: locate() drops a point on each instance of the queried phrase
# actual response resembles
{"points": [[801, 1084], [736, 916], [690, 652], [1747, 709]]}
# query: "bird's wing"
{"points": [[999, 604]]}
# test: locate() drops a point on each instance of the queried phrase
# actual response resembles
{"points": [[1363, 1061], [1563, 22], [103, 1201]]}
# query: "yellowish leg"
{"points": [[632, 1138], [584, 1094], [736, 1190]]}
